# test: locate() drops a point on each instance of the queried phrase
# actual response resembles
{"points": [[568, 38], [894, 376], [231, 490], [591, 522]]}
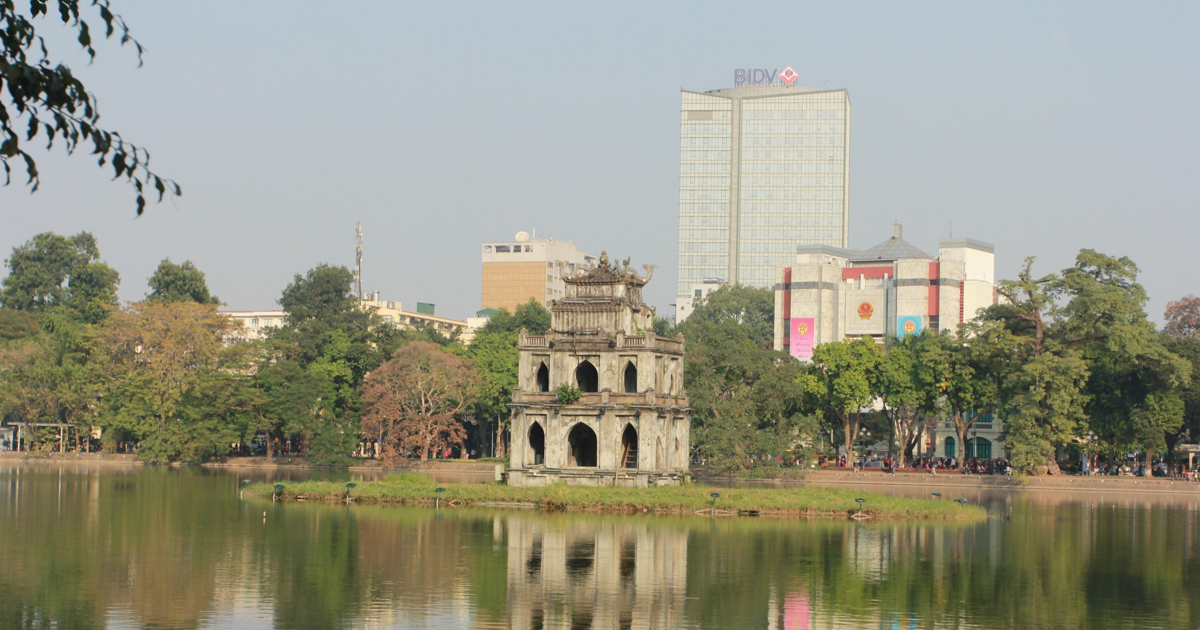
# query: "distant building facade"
{"points": [[632, 424], [393, 313], [891, 290], [763, 168], [523, 268], [256, 325], [700, 291]]}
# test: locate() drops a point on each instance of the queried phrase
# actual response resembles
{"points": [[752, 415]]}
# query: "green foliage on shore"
{"points": [[413, 489]]}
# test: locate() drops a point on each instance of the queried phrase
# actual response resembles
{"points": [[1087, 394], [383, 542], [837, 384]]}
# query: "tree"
{"points": [[904, 401], [951, 375], [415, 400], [179, 283], [165, 361], [16, 324], [749, 307], [531, 316], [1187, 349], [45, 97], [840, 381], [495, 358], [326, 331], [748, 408], [57, 271], [1044, 386], [1183, 318]]}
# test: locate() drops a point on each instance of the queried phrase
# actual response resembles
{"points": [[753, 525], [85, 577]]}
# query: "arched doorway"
{"points": [[581, 446], [979, 448], [630, 378], [537, 445], [543, 378], [587, 377], [950, 447], [629, 447]]}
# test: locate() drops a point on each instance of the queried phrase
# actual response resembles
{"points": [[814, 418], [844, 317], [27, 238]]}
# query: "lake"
{"points": [[147, 547]]}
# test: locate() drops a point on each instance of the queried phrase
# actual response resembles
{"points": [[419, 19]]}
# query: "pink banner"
{"points": [[803, 334]]}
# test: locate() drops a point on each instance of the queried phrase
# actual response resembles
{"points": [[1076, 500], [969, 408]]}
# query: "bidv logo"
{"points": [[764, 76]]}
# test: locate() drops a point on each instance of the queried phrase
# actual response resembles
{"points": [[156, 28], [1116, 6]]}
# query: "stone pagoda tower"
{"points": [[631, 423]]}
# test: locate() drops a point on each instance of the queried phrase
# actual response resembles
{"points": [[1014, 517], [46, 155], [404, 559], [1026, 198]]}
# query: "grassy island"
{"points": [[412, 489]]}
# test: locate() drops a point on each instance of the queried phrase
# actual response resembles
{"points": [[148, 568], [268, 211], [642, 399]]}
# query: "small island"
{"points": [[413, 489]]}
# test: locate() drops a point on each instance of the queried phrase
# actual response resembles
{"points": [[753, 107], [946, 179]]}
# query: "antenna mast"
{"points": [[358, 252]]}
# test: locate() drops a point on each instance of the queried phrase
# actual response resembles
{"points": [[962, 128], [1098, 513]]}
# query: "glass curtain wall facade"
{"points": [[761, 171]]}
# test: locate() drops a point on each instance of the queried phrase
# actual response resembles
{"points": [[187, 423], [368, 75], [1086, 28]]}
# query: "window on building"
{"points": [[629, 447], [587, 378], [581, 446], [543, 378], [631, 378], [537, 445]]}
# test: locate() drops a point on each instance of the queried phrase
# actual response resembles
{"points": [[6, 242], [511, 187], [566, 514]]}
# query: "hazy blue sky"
{"points": [[1040, 127]]}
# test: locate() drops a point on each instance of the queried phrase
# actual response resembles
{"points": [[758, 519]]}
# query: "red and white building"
{"points": [[890, 290]]}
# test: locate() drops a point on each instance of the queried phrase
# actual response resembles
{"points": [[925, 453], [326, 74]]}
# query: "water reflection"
{"points": [[159, 548], [594, 573]]}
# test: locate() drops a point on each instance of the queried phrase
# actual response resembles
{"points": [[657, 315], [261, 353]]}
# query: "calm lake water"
{"points": [[113, 547]]}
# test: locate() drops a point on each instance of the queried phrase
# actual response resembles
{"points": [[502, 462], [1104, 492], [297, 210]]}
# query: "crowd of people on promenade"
{"points": [[924, 463]]}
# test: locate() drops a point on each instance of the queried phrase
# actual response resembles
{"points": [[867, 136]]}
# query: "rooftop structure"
{"points": [[523, 268]]}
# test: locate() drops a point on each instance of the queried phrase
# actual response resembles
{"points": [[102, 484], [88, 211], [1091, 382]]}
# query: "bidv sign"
{"points": [[764, 76]]}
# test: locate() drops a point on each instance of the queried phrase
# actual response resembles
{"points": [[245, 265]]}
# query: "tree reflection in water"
{"points": [[161, 548]]}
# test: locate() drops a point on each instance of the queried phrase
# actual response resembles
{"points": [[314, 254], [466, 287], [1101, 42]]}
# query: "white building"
{"points": [[700, 291], [254, 325], [893, 289]]}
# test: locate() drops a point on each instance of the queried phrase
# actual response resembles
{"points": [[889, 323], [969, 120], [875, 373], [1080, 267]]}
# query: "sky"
{"points": [[1040, 127]]}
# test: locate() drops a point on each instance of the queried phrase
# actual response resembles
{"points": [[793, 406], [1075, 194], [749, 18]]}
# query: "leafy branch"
{"points": [[40, 96]]}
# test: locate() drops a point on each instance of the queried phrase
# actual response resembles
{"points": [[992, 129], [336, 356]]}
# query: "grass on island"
{"points": [[413, 489]]}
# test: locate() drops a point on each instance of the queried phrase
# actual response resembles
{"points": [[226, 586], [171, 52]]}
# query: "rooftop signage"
{"points": [[764, 76]]}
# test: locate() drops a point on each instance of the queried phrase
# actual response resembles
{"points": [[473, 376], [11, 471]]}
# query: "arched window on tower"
{"points": [[629, 447], [581, 446], [631, 378], [537, 445], [587, 378], [543, 378]]}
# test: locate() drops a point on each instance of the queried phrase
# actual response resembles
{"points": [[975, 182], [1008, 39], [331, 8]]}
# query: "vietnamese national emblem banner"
{"points": [[908, 325], [803, 334]]}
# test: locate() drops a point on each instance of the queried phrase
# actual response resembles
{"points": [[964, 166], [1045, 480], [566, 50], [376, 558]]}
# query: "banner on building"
{"points": [[866, 312], [803, 334], [908, 325]]}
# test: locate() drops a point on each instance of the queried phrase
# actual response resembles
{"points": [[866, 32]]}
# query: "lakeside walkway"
{"points": [[876, 479]]}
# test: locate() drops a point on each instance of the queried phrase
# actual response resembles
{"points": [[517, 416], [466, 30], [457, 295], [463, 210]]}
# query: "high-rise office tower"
{"points": [[763, 168]]}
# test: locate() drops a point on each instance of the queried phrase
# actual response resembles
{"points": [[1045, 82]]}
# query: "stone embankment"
{"points": [[847, 478]]}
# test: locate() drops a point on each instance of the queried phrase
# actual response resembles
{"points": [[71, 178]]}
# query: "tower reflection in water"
{"points": [[594, 574]]}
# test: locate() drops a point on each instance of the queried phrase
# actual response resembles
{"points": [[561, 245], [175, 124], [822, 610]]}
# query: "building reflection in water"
{"points": [[595, 574]]}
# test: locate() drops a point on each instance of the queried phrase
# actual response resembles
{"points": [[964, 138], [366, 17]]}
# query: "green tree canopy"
{"points": [[51, 271], [748, 406], [531, 316], [45, 97], [841, 381], [179, 283], [751, 308]]}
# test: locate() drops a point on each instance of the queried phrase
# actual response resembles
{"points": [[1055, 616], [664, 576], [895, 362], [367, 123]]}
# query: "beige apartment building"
{"points": [[523, 268]]}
